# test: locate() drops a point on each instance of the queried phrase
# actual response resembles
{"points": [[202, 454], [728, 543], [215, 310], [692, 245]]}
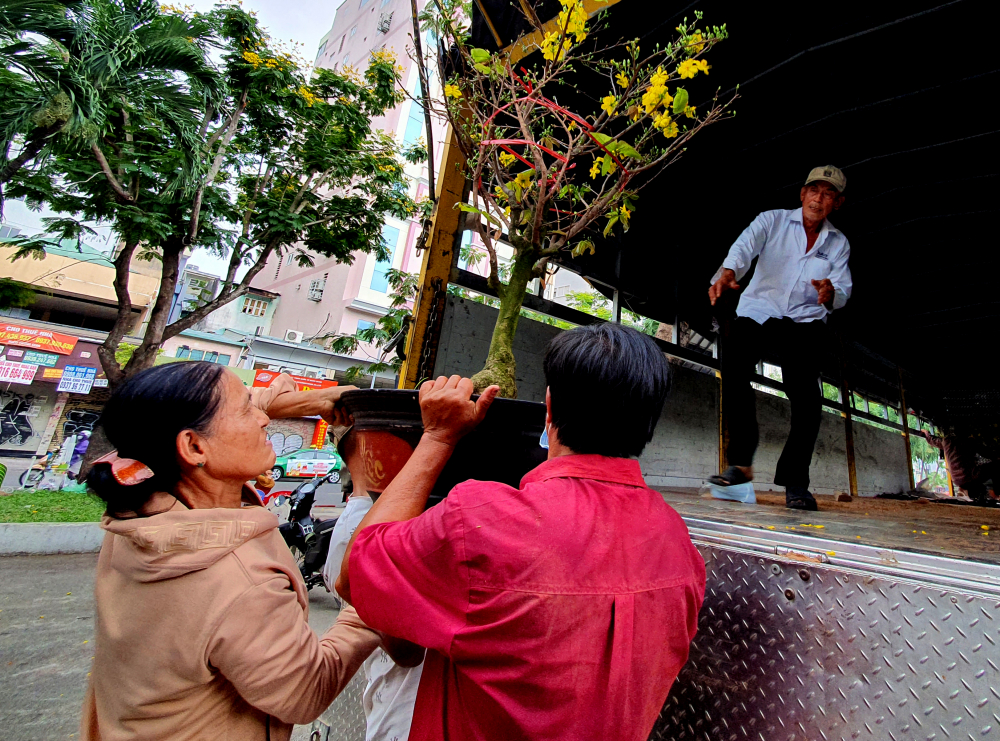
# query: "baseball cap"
{"points": [[828, 174]]}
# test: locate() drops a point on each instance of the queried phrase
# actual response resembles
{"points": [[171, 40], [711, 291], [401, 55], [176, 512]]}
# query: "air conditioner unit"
{"points": [[293, 335]]}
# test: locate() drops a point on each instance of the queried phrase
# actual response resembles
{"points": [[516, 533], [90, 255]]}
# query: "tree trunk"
{"points": [[500, 368]]}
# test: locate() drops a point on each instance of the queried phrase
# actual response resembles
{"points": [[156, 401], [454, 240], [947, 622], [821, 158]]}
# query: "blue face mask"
{"points": [[544, 439]]}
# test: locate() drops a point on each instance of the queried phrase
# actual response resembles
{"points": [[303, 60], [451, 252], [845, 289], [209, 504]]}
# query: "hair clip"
{"points": [[127, 471]]}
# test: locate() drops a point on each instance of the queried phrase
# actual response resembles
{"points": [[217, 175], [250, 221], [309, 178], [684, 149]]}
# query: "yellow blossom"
{"points": [[696, 43], [690, 111], [595, 169], [524, 178], [656, 96], [690, 67], [659, 78], [573, 18], [622, 79], [609, 103], [625, 213], [552, 49], [571, 126], [498, 192], [670, 130], [452, 91], [507, 159], [307, 94]]}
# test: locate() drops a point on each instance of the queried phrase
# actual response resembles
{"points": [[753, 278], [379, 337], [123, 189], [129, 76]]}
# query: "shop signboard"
{"points": [[264, 378], [52, 374], [13, 372], [38, 358], [77, 379], [37, 339]]}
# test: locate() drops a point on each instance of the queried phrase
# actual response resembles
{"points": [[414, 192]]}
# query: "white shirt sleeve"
{"points": [[747, 246], [347, 523], [840, 276]]}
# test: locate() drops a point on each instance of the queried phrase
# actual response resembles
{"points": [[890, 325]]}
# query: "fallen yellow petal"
{"points": [[985, 527]]}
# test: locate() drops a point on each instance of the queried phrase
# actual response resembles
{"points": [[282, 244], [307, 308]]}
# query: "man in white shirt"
{"points": [[391, 691], [801, 276]]}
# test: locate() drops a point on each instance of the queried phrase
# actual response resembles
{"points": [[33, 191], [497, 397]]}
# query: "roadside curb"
{"points": [[47, 538]]}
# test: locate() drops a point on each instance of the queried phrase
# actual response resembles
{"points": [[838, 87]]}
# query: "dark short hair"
{"points": [[142, 420], [608, 385]]}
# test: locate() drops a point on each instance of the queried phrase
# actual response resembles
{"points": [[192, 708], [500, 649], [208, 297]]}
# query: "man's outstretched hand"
{"points": [[726, 282], [448, 411], [825, 290]]}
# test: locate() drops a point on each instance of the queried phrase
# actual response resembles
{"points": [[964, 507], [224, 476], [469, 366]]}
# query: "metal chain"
{"points": [[427, 354]]}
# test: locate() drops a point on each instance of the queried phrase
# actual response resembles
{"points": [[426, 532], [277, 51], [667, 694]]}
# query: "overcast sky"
{"points": [[290, 20]]}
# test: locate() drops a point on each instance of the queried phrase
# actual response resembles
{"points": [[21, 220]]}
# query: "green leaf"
{"points": [[602, 138], [680, 100], [482, 68], [479, 56], [611, 222], [586, 245], [608, 164], [474, 210], [628, 150]]}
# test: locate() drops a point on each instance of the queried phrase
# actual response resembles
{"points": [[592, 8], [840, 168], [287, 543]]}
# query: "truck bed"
{"points": [[947, 530]]}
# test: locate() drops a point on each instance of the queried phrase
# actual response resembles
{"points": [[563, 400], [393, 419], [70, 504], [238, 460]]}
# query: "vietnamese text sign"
{"points": [[37, 339], [12, 372], [40, 358], [302, 383], [52, 373], [77, 379]]}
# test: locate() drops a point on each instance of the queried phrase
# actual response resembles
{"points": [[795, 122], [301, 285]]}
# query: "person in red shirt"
{"points": [[560, 610]]}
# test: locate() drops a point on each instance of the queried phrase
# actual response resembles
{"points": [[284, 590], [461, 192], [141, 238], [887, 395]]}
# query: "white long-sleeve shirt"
{"points": [[782, 284], [391, 691]]}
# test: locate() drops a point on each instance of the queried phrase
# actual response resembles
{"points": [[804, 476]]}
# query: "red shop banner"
{"points": [[264, 378], [37, 339]]}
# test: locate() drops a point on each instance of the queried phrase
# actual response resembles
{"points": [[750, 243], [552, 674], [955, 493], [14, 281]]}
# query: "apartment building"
{"points": [[331, 297]]}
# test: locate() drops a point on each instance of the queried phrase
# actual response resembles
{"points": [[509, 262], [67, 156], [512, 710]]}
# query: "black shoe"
{"points": [[799, 497], [730, 477]]}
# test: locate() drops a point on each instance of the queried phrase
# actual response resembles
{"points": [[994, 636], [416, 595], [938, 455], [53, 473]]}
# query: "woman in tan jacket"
{"points": [[202, 626]]}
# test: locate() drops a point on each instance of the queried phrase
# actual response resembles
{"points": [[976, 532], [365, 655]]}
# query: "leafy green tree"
{"points": [[14, 294], [247, 162], [600, 306], [71, 67]]}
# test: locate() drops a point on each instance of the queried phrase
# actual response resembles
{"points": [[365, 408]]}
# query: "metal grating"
{"points": [[793, 651]]}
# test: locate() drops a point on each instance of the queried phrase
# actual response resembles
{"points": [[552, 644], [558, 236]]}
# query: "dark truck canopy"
{"points": [[900, 96]]}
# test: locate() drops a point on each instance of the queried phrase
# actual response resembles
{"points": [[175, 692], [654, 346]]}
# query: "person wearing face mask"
{"points": [[801, 277], [562, 609]]}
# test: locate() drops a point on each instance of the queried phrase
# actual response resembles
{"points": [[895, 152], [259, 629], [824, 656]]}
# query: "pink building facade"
{"points": [[333, 298]]}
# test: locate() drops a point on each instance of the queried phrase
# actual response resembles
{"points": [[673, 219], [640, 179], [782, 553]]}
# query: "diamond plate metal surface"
{"points": [[344, 720], [793, 650]]}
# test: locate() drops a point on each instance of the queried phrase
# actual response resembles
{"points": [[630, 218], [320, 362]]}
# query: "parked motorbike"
{"points": [[308, 539]]}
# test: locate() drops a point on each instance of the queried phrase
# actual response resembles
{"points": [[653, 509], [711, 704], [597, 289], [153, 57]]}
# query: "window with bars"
{"points": [[183, 352], [317, 287], [254, 306]]}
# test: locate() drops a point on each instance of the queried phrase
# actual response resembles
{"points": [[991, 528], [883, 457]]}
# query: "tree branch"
{"points": [[106, 351], [222, 299], [122, 194]]}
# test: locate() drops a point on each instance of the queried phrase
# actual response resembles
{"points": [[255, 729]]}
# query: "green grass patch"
{"points": [[50, 506]]}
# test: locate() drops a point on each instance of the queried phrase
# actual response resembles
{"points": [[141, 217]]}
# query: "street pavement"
{"points": [[47, 643]]}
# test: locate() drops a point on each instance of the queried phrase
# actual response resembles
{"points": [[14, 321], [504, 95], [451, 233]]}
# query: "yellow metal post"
{"points": [[435, 268]]}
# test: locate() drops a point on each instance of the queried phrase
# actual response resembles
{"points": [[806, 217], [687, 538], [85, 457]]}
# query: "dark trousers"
{"points": [[798, 348]]}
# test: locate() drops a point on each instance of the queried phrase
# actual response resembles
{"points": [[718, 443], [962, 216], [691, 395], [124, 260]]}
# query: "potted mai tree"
{"points": [[546, 180]]}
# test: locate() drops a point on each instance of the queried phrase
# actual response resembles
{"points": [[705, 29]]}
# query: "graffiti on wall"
{"points": [[288, 435], [16, 413]]}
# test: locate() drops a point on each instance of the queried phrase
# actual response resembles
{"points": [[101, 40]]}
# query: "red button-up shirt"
{"points": [[560, 610]]}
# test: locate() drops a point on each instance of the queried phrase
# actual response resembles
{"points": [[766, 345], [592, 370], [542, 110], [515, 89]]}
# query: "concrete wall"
{"points": [[685, 447]]}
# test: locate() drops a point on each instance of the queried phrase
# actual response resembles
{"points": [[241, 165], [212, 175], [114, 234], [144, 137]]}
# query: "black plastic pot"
{"points": [[503, 448]]}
